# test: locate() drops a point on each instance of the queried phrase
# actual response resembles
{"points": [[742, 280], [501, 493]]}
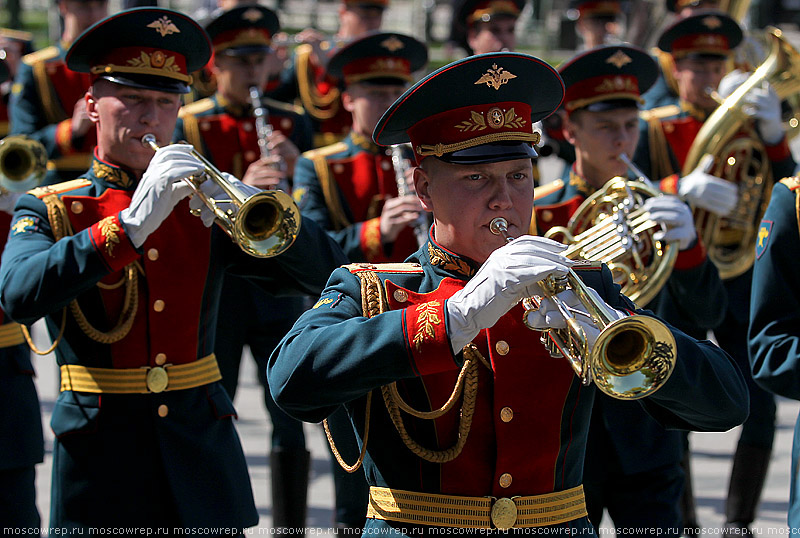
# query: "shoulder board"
{"points": [[587, 265], [660, 112], [196, 108], [47, 53], [280, 105], [793, 183], [60, 188], [548, 188], [325, 151], [409, 268]]}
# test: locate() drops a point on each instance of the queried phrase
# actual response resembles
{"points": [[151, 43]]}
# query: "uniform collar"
{"points": [[111, 174], [234, 109], [580, 184], [694, 111], [365, 143], [442, 259]]}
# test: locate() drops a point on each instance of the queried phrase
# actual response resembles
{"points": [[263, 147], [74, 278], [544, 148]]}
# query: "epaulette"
{"points": [[792, 183], [548, 188], [325, 151], [660, 113], [47, 53], [60, 188], [587, 265], [192, 109], [286, 107], [407, 268]]}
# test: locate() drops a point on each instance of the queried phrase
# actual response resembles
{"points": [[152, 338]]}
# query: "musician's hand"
{"points": [[80, 119], [266, 174], [159, 190], [731, 81], [397, 214], [280, 146], [511, 273], [547, 316], [708, 192], [675, 216], [767, 111]]}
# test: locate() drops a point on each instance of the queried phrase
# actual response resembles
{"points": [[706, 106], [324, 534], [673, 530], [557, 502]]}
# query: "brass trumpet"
{"points": [[23, 163], [632, 357], [264, 224]]}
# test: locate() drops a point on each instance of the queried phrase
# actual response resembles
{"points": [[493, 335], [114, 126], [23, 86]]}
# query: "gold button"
{"points": [[505, 480], [163, 410], [249, 155], [547, 215], [247, 127], [77, 207], [502, 347], [286, 124], [204, 126], [158, 305], [338, 168], [400, 296], [161, 358], [668, 128], [386, 165], [152, 254], [506, 414], [157, 379]]}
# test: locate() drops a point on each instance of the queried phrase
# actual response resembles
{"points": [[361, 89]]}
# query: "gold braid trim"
{"points": [[53, 110], [331, 193], [659, 153], [313, 101], [61, 227], [374, 302]]}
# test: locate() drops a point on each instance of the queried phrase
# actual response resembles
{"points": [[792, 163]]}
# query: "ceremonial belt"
{"points": [[140, 380], [476, 512], [11, 335]]}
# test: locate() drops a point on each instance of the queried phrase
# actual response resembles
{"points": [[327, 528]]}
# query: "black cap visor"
{"points": [[491, 153], [148, 82], [611, 104]]}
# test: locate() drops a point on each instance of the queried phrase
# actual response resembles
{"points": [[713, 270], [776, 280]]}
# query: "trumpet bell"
{"points": [[23, 163], [633, 357], [266, 224]]}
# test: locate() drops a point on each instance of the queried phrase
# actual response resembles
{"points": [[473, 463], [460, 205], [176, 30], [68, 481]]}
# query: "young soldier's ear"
{"points": [[568, 129], [422, 188], [91, 106]]}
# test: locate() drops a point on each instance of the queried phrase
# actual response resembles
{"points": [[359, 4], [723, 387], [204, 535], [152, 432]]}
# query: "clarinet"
{"points": [[264, 130], [401, 166]]}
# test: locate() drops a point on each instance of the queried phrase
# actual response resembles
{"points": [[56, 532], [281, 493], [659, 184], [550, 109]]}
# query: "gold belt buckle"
{"points": [[157, 379], [504, 513]]}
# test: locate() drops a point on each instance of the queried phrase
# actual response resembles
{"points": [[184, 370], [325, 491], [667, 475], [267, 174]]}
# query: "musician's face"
{"points": [[123, 115], [599, 138], [236, 73], [495, 35], [465, 198], [368, 102], [355, 21], [694, 75]]}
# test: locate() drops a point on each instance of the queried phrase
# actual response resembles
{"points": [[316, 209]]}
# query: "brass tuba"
{"points": [[611, 226], [631, 358], [23, 163], [740, 157], [264, 224]]}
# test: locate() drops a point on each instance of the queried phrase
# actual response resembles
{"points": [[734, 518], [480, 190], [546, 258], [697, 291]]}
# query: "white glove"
{"points": [[212, 190], [547, 316], [509, 274], [708, 192], [8, 200], [767, 111], [731, 81], [159, 191], [674, 215]]}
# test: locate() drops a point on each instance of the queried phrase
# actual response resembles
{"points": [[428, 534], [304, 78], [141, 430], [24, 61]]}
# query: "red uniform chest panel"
{"points": [[524, 381], [175, 264], [68, 84], [4, 126], [680, 134], [233, 142], [365, 181], [559, 214]]}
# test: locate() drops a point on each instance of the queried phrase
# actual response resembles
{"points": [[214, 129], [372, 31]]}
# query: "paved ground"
{"points": [[711, 460]]}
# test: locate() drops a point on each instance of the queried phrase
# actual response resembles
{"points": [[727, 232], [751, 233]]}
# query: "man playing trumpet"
{"points": [[452, 317], [144, 430], [632, 465]]}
